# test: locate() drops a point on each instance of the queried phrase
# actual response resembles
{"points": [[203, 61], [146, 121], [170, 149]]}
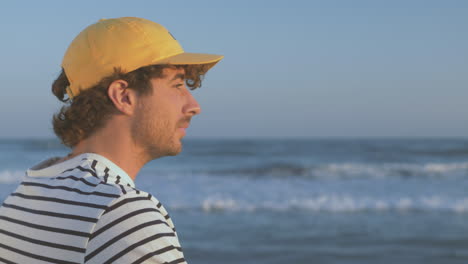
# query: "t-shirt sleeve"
{"points": [[134, 230]]}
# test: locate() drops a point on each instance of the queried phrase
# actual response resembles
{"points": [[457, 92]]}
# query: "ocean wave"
{"points": [[455, 152], [392, 170], [332, 203], [32, 145], [8, 177], [350, 170]]}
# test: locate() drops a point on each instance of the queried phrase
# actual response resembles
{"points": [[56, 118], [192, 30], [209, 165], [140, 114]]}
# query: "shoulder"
{"points": [[134, 226], [130, 200]]}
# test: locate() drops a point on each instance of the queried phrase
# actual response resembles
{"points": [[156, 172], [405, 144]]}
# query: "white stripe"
{"points": [[39, 250], [43, 234], [17, 258]]}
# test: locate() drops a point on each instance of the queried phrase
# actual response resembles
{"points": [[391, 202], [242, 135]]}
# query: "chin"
{"points": [[175, 149], [158, 151], [172, 154]]}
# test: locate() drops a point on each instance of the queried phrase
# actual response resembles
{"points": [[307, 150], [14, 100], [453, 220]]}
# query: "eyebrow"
{"points": [[178, 76]]}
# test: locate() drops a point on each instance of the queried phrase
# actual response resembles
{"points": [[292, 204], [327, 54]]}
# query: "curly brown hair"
{"points": [[89, 111]]}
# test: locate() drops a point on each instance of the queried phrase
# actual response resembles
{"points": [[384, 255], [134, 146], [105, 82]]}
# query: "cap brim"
{"points": [[192, 58]]}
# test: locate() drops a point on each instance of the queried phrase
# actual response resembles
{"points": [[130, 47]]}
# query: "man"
{"points": [[128, 103]]}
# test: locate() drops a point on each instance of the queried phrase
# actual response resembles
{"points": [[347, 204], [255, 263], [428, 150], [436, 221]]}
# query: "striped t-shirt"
{"points": [[84, 210]]}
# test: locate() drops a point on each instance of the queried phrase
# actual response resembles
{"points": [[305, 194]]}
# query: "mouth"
{"points": [[183, 129], [185, 126]]}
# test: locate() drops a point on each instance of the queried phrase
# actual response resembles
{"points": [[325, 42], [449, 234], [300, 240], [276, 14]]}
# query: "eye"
{"points": [[179, 85]]}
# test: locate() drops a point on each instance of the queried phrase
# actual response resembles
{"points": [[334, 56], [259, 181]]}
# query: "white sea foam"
{"points": [[211, 204], [352, 170], [332, 203], [8, 176], [461, 206]]}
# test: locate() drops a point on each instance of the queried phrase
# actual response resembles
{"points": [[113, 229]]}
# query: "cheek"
{"points": [[164, 111]]}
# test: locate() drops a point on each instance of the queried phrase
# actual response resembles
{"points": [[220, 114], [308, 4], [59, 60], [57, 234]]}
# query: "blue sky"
{"points": [[291, 68]]}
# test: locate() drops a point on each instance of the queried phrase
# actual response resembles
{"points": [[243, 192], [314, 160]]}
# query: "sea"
{"points": [[301, 201]]}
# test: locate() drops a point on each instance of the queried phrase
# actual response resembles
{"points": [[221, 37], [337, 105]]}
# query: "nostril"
{"points": [[196, 111]]}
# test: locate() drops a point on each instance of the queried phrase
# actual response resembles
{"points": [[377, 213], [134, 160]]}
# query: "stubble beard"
{"points": [[154, 135]]}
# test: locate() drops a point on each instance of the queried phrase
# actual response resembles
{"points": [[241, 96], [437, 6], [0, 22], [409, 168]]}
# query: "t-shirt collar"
{"points": [[101, 165]]}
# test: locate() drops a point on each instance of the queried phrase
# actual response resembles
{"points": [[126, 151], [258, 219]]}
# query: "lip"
{"points": [[182, 129], [185, 126]]}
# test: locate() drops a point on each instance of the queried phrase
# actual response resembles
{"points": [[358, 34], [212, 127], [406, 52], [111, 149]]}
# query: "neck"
{"points": [[115, 145]]}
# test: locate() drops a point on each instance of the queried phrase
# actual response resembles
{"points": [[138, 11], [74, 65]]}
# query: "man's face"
{"points": [[160, 116]]}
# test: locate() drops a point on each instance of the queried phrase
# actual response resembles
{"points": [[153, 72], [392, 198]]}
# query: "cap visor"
{"points": [[192, 58]]}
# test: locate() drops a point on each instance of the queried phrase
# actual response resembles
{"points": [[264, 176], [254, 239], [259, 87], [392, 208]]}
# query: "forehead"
{"points": [[172, 74]]}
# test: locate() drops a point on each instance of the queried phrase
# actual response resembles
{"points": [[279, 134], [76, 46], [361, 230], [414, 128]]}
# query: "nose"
{"points": [[192, 107]]}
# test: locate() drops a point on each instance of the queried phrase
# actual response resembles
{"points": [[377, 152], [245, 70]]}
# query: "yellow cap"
{"points": [[128, 43]]}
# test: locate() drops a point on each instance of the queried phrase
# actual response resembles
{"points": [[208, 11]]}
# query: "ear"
{"points": [[124, 99]]}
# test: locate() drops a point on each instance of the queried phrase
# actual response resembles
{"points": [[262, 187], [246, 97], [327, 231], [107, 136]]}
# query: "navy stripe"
{"points": [[46, 228], [70, 189], [24, 253], [106, 175], [136, 190], [6, 261], [133, 246], [123, 189], [82, 169], [43, 243], [93, 165], [180, 260], [125, 201], [157, 252], [40, 212], [77, 179], [120, 236], [57, 200], [121, 219]]}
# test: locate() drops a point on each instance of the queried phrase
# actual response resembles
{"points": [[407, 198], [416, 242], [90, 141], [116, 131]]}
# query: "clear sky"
{"points": [[291, 68]]}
